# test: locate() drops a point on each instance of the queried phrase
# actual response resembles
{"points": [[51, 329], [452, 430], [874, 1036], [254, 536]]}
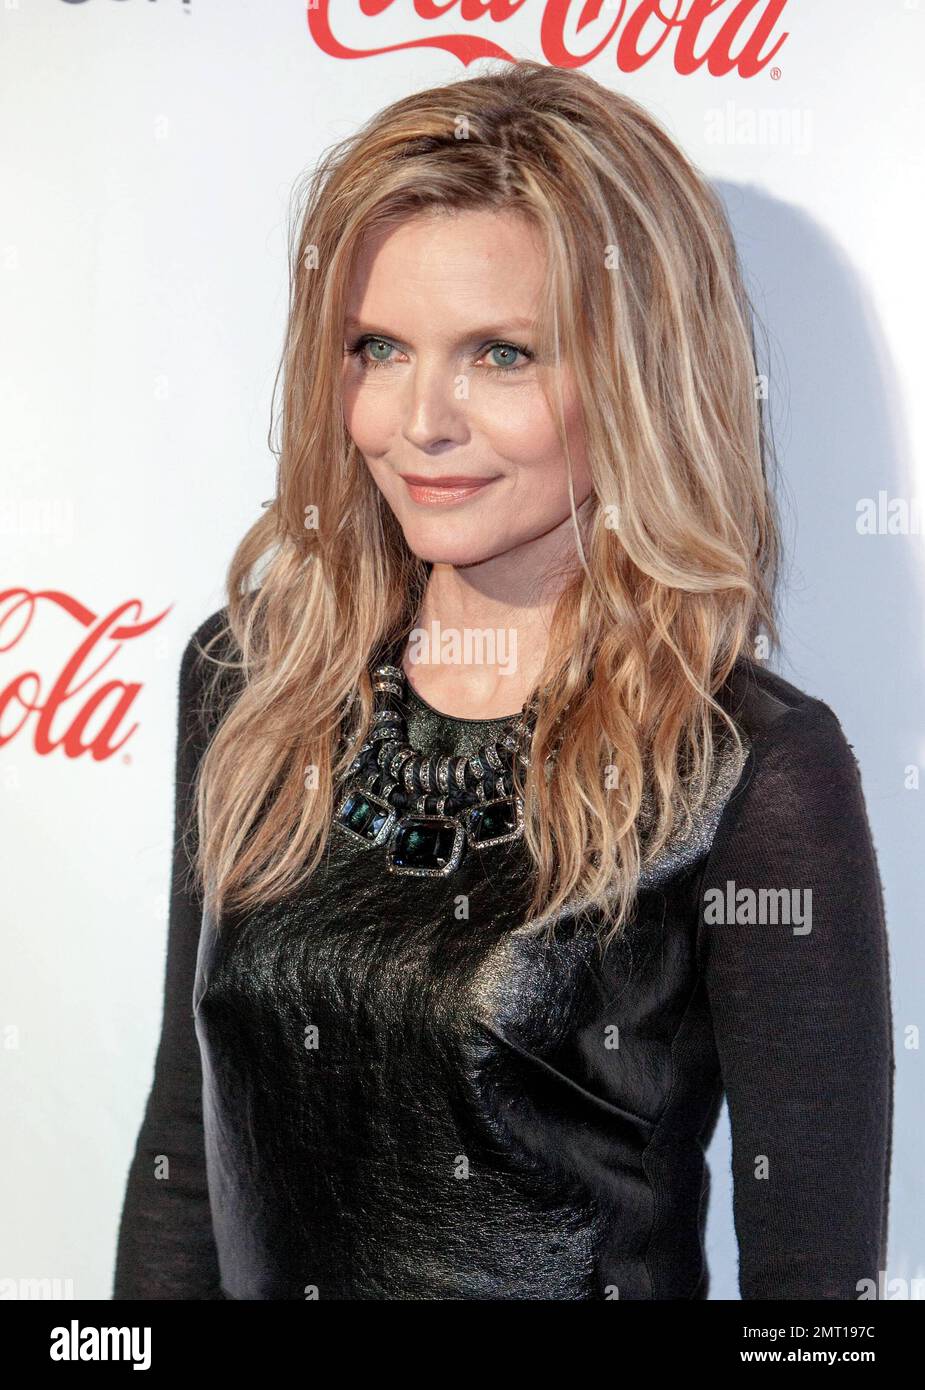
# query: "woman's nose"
{"points": [[436, 404]]}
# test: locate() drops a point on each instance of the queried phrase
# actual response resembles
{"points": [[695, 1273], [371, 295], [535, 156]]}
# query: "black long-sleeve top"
{"points": [[388, 1087]]}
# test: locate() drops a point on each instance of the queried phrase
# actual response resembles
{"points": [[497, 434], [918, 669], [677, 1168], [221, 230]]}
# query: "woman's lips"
{"points": [[445, 491]]}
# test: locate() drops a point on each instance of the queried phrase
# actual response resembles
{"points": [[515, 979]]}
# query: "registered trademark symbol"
{"points": [[126, 759], [775, 74]]}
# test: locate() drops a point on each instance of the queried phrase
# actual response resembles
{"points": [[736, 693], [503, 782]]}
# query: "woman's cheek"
{"points": [[369, 424]]}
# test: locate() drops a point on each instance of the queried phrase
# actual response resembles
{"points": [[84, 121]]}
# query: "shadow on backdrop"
{"points": [[850, 614]]}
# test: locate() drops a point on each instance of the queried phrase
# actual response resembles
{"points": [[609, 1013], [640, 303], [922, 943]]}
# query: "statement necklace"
{"points": [[425, 809]]}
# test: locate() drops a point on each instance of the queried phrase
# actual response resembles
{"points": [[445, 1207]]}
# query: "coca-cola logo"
{"points": [[61, 707], [720, 35]]}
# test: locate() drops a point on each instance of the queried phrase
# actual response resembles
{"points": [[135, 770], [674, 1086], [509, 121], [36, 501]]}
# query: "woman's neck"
{"points": [[481, 635]]}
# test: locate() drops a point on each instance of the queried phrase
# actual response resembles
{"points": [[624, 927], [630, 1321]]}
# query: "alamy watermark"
{"points": [[759, 907], [467, 646]]}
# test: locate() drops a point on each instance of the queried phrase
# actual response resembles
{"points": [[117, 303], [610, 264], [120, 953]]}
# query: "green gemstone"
{"points": [[490, 822], [363, 816], [422, 845]]}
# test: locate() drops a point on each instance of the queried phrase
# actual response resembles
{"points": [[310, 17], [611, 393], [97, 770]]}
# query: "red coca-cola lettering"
{"points": [[17, 610], [717, 55]]}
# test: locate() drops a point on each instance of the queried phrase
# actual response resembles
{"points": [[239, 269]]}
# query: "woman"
{"points": [[501, 854]]}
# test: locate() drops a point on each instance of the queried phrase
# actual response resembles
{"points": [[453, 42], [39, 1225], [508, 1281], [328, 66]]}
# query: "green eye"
{"points": [[377, 344], [502, 349], [358, 351], [508, 352], [380, 351]]}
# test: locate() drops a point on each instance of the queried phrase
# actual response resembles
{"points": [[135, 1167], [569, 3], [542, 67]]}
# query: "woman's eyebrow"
{"points": [[490, 330]]}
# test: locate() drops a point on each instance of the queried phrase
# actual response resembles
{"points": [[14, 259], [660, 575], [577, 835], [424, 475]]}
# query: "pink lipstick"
{"points": [[442, 492]]}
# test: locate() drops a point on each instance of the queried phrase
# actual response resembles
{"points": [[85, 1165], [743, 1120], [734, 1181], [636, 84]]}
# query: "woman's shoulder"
{"points": [[763, 702], [207, 632], [209, 676], [792, 734]]}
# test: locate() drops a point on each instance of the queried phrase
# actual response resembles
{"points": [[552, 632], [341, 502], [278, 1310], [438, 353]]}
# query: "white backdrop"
{"points": [[149, 150]]}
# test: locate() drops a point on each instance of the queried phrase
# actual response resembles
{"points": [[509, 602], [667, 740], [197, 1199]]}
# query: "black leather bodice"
{"points": [[409, 1094], [391, 1087]]}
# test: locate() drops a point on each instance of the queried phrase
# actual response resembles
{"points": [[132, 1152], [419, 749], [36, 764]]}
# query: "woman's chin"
{"points": [[447, 549]]}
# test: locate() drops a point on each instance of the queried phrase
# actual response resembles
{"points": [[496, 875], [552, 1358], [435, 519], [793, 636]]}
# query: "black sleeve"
{"points": [[802, 1019], [166, 1248]]}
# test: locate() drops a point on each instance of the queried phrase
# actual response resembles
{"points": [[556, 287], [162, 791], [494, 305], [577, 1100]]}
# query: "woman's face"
{"points": [[439, 395]]}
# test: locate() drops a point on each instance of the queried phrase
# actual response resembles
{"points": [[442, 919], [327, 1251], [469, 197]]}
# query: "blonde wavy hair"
{"points": [[674, 575]]}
